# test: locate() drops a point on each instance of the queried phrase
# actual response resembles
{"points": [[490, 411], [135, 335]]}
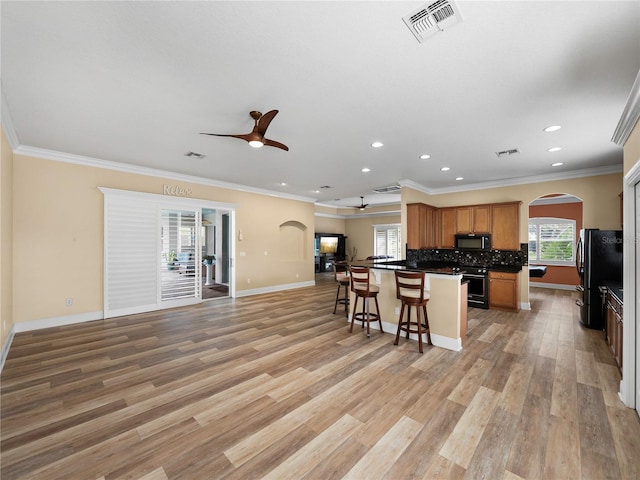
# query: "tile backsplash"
{"points": [[480, 258]]}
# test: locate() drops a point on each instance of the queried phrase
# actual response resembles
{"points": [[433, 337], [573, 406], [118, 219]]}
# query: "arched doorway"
{"points": [[555, 221]]}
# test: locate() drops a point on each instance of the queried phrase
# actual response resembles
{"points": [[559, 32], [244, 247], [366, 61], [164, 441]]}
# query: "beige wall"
{"points": [[329, 225], [58, 235], [6, 239], [360, 232], [632, 149]]}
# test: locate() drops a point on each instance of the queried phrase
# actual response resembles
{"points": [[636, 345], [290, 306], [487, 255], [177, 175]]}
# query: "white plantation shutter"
{"points": [[552, 240], [131, 254], [179, 232], [387, 241]]}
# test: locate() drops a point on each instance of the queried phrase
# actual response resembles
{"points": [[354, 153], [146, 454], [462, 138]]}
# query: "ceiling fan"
{"points": [[362, 205], [256, 137]]}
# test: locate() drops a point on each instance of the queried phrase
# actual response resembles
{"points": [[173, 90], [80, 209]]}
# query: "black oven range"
{"points": [[478, 278]]}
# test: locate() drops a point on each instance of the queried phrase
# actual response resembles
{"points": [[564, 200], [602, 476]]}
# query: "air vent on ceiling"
{"points": [[194, 154], [326, 186], [506, 153], [388, 189], [432, 18]]}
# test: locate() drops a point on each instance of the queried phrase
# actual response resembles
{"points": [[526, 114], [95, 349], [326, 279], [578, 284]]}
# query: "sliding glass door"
{"points": [[180, 261]]}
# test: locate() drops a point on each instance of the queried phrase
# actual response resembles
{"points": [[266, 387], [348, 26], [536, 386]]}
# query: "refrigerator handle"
{"points": [[578, 255]]}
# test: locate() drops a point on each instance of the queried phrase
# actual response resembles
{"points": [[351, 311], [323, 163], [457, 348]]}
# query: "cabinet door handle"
{"points": [[580, 303], [580, 288]]}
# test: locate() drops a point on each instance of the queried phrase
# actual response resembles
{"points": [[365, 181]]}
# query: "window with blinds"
{"points": [[387, 241], [552, 241]]}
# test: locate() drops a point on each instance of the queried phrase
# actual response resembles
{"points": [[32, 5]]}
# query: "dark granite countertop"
{"points": [[427, 267], [445, 268], [615, 288]]}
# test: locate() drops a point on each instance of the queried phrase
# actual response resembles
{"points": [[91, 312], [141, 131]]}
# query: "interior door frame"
{"points": [[630, 383]]}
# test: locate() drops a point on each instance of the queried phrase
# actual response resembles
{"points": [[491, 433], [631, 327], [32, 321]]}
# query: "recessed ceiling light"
{"points": [[425, 156], [283, 184], [459, 178], [552, 128], [366, 170], [377, 144], [554, 149], [445, 169], [557, 164], [315, 191]]}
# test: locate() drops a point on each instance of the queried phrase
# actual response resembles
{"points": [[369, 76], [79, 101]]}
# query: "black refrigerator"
{"points": [[598, 258]]}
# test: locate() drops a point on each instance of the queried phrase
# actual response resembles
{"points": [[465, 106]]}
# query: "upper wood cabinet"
{"points": [[473, 219], [505, 226], [431, 227], [421, 226], [448, 227]]}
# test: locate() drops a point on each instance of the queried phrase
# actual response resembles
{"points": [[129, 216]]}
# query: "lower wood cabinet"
{"points": [[503, 291], [614, 327]]}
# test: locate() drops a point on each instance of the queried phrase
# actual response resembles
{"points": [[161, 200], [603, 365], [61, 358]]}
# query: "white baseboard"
{"points": [[454, 344], [274, 288], [5, 348], [556, 286], [57, 321], [525, 306]]}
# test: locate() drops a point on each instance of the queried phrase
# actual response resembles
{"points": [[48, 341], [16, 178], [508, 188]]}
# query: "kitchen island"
{"points": [[447, 306]]}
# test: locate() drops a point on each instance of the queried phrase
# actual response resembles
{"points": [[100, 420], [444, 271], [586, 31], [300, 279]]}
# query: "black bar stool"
{"points": [[362, 288], [341, 275], [410, 291]]}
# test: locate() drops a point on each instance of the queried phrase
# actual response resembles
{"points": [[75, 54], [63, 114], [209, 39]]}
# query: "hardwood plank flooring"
{"points": [[274, 386]]}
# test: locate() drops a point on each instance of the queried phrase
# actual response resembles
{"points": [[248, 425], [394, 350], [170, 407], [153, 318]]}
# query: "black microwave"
{"points": [[473, 241]]}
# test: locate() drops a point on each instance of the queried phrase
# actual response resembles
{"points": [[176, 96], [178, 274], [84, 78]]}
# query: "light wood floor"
{"points": [[274, 386]]}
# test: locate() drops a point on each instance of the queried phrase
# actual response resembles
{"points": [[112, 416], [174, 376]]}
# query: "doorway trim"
{"points": [[631, 338]]}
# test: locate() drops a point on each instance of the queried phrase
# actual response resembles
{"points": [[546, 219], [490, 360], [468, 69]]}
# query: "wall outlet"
{"points": [[297, 275], [265, 252], [248, 280], [397, 311], [68, 302]]}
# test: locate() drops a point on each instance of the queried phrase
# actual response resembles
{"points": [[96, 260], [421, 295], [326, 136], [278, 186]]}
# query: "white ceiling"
{"points": [[135, 82]]}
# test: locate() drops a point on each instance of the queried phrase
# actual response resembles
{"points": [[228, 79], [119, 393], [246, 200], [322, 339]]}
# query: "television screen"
{"points": [[328, 244]]}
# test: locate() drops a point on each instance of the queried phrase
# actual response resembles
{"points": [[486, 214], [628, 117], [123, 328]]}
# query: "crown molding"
{"points": [[509, 182], [630, 115], [338, 216], [150, 172], [7, 121]]}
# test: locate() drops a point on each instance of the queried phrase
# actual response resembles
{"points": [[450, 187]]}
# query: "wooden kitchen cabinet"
{"points": [[473, 219], [421, 226], [614, 327], [503, 291], [447, 227], [505, 226]]}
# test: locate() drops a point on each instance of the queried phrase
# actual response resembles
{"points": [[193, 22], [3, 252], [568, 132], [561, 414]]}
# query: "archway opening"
{"points": [[555, 221]]}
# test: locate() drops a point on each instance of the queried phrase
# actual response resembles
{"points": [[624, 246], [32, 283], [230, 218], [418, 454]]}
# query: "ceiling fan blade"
{"points": [[362, 205], [244, 136], [264, 121], [273, 143]]}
